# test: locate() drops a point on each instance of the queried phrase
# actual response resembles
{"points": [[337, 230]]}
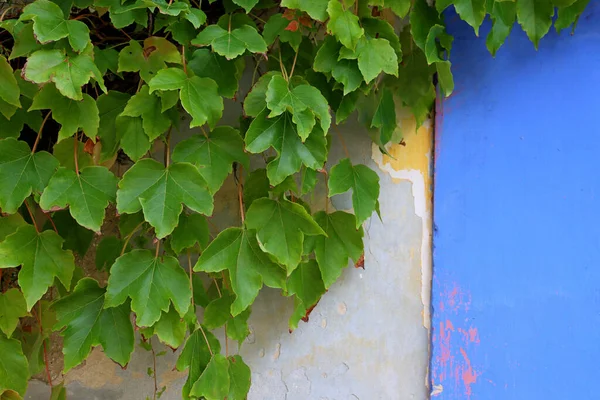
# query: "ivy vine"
{"points": [[92, 92]]}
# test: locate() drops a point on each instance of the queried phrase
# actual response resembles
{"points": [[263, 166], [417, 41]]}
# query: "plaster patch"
{"points": [[98, 371]]}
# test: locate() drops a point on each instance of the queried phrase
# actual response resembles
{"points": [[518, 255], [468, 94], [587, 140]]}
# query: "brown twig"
{"points": [[342, 141], [168, 147], [31, 215], [157, 248], [128, 237], [189, 260], [38, 317], [183, 59], [294, 63], [51, 221], [154, 370], [39, 135], [240, 193], [76, 153]]}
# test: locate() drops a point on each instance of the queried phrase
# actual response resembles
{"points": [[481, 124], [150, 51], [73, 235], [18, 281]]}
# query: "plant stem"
{"points": [[189, 260], [44, 342], [283, 71], [75, 153], [206, 340], [31, 215], [342, 141], [129, 237], [39, 135], [157, 248], [240, 193], [154, 370], [294, 63], [168, 147], [183, 59], [51, 221]]}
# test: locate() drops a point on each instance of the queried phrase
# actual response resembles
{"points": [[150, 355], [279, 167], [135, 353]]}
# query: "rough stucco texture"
{"points": [[367, 338]]}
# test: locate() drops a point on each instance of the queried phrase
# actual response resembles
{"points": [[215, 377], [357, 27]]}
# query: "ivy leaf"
{"points": [[160, 193], [191, 229], [379, 28], [376, 56], [343, 24], [301, 98], [213, 154], [246, 4], [216, 313], [364, 183], [348, 74], [237, 250], [196, 16], [255, 100], [535, 17], [214, 383], [306, 282], [277, 27], [77, 238], [50, 25], [106, 60], [239, 378], [86, 194], [567, 16], [85, 323], [317, 9], [343, 241], [59, 392], [151, 283], [196, 355], [25, 42], [226, 73], [12, 127], [148, 106], [70, 114], [108, 250], [10, 224], [237, 327], [22, 173], [399, 7], [257, 186], [63, 151], [14, 369], [68, 72], [9, 89], [170, 328], [471, 11], [110, 105], [12, 307], [281, 134], [199, 96], [385, 117], [41, 258], [231, 44], [150, 59], [134, 141], [280, 229]]}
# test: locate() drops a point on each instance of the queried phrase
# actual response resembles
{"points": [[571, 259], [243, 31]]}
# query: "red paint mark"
{"points": [[474, 335], [469, 376]]}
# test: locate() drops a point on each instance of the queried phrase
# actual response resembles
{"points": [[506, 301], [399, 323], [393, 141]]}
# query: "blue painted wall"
{"points": [[516, 287]]}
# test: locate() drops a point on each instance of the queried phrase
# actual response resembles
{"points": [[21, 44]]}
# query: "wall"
{"points": [[368, 337], [515, 290]]}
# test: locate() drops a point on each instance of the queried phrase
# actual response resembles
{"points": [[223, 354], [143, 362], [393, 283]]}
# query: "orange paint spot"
{"points": [[469, 376]]}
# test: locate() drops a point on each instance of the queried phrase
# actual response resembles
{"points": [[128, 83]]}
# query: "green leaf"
{"points": [[280, 228], [343, 241], [12, 307], [567, 16], [9, 89], [106, 60], [134, 141], [214, 383], [77, 238], [50, 25], [364, 183], [14, 369], [12, 127], [399, 7], [170, 328], [257, 186], [41, 258], [59, 392], [85, 323], [196, 355], [535, 17], [63, 151], [255, 100], [199, 96], [276, 27], [191, 229], [22, 173], [231, 44], [379, 28], [281, 134], [70, 114], [160, 193], [237, 327], [348, 74], [68, 72], [376, 56], [224, 72], [213, 154], [110, 105], [237, 250], [216, 313], [306, 282], [150, 59], [148, 106], [385, 117], [246, 4], [108, 250], [422, 18], [25, 42], [10, 224], [151, 283], [86, 194], [472, 12], [445, 77], [281, 98], [196, 16], [239, 378], [173, 8], [343, 24], [317, 9]]}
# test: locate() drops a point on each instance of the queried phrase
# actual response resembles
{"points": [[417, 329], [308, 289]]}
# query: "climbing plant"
{"points": [[94, 98]]}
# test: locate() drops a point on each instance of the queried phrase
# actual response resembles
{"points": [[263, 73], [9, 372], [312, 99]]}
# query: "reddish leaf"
{"points": [[360, 263], [89, 147], [292, 26]]}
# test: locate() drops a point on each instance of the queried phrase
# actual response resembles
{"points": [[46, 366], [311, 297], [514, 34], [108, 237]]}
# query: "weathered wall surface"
{"points": [[367, 338]]}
